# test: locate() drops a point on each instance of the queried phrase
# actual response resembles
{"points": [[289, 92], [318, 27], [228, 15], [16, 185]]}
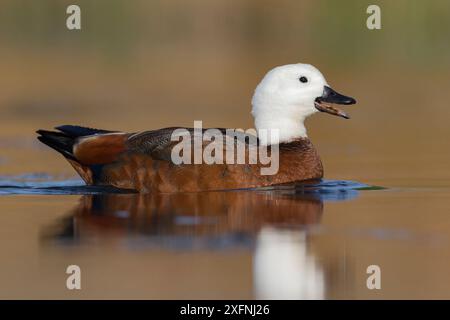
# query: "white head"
{"points": [[287, 95]]}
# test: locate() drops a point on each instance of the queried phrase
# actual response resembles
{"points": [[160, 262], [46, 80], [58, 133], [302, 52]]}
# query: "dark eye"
{"points": [[303, 79]]}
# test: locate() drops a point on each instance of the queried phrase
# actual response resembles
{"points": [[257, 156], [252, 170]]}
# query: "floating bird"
{"points": [[143, 161]]}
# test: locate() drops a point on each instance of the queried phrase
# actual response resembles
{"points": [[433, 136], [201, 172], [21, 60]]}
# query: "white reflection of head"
{"points": [[283, 268]]}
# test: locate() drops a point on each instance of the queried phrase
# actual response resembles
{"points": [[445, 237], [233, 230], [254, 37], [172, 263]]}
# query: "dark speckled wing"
{"points": [[154, 143], [158, 143]]}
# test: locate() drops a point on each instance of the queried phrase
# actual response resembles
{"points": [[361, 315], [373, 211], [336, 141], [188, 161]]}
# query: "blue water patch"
{"points": [[44, 184], [325, 190]]}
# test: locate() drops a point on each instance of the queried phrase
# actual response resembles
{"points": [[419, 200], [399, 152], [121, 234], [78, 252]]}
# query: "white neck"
{"points": [[288, 129]]}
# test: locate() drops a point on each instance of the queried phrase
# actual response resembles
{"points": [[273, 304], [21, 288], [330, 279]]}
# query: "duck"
{"points": [[143, 161]]}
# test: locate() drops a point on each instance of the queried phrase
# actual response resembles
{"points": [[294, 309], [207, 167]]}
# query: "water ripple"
{"points": [[44, 184]]}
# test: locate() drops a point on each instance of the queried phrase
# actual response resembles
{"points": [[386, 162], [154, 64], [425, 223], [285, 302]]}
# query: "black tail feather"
{"points": [[58, 141], [77, 131]]}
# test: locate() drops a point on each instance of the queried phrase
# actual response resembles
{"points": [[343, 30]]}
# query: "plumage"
{"points": [[143, 161]]}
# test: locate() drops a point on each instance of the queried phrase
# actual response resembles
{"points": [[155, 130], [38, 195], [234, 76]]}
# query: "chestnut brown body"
{"points": [[142, 162]]}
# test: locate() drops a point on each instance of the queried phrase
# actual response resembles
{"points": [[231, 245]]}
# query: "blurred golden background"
{"points": [[139, 65]]}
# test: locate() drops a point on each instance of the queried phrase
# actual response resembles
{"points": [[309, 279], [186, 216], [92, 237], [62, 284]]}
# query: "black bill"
{"points": [[331, 96]]}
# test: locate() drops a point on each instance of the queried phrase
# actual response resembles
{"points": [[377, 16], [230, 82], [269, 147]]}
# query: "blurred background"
{"points": [[139, 65]]}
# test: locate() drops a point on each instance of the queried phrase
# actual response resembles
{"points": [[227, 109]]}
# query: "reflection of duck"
{"points": [[224, 216], [272, 223], [144, 161]]}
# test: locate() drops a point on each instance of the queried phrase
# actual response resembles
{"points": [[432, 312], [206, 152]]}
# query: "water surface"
{"points": [[296, 242]]}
